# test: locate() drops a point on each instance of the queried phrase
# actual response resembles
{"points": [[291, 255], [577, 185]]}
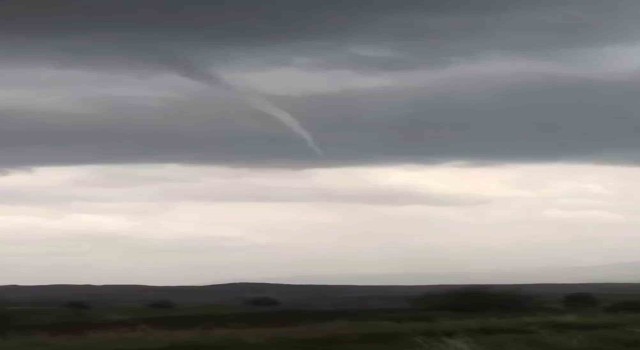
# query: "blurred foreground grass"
{"points": [[580, 331]]}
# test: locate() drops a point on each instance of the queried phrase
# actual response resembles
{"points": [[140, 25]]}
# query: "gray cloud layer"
{"points": [[93, 82]]}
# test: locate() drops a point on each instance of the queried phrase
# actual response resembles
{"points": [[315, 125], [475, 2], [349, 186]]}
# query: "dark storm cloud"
{"points": [[134, 32], [536, 119]]}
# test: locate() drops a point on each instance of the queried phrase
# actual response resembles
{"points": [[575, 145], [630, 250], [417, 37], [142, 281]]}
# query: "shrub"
{"points": [[476, 300], [624, 306], [162, 304], [580, 301], [77, 305], [262, 301]]}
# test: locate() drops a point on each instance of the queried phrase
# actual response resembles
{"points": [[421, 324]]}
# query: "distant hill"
{"points": [[297, 296]]}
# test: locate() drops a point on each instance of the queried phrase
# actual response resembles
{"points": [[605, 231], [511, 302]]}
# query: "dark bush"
{"points": [[580, 301], [624, 306], [77, 305], [476, 300], [262, 301], [162, 304]]}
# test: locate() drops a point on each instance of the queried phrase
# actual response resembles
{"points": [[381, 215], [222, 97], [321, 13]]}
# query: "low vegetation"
{"points": [[624, 306], [458, 319], [162, 304], [580, 301], [262, 301], [477, 300]]}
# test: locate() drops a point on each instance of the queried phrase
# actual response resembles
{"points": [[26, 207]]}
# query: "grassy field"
{"points": [[458, 319], [221, 329]]}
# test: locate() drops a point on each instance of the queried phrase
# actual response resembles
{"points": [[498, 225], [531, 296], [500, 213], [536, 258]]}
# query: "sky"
{"points": [[184, 142]]}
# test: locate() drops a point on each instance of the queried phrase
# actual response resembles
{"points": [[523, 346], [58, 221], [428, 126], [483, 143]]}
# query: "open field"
{"points": [[295, 296], [543, 322], [593, 331]]}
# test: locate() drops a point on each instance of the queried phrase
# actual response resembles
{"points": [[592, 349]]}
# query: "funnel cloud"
{"points": [[189, 70]]}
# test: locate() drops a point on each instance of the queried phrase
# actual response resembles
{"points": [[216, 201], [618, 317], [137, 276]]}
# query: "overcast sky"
{"points": [[194, 142]]}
